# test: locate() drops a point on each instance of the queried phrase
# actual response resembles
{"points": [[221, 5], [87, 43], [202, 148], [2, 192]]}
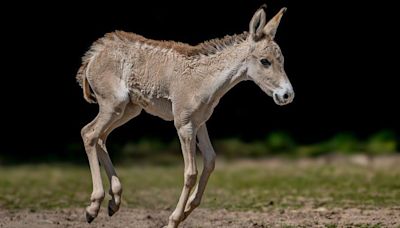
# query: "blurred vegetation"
{"points": [[380, 143], [277, 143]]}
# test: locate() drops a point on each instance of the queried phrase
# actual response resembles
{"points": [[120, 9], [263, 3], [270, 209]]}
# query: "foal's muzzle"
{"points": [[283, 96]]}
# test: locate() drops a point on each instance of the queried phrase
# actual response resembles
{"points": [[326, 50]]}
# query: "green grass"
{"points": [[244, 185]]}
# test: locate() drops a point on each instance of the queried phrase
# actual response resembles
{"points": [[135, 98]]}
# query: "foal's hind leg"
{"points": [[131, 111], [109, 111]]}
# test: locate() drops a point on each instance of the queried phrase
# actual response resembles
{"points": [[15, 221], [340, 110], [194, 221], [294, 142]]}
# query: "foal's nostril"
{"points": [[285, 96]]}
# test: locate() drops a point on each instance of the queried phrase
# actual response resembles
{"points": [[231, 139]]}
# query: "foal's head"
{"points": [[265, 60]]}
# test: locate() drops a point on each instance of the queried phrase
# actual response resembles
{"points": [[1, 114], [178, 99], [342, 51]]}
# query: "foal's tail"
{"points": [[82, 80]]}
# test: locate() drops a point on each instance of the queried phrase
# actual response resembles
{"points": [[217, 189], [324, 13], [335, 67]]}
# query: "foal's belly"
{"points": [[160, 107]]}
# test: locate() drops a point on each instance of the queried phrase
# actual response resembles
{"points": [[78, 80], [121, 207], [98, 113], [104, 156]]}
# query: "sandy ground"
{"points": [[303, 217], [320, 217]]}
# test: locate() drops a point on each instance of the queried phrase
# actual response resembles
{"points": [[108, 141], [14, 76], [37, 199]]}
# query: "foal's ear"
{"points": [[257, 23], [270, 29]]}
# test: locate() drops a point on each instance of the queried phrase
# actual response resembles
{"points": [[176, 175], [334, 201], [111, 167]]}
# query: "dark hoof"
{"points": [[89, 218], [111, 211], [112, 208]]}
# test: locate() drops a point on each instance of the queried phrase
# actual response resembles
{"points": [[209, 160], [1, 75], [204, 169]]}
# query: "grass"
{"points": [[235, 185]]}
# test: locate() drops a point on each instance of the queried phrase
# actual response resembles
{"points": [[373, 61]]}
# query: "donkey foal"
{"points": [[126, 73]]}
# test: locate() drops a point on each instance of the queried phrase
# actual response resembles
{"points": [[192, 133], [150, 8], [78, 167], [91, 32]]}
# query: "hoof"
{"points": [[112, 208], [89, 218], [111, 212]]}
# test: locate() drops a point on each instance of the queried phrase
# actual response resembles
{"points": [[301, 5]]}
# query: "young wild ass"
{"points": [[126, 73]]}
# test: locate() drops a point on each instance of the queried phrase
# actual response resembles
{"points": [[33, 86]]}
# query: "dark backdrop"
{"points": [[340, 57]]}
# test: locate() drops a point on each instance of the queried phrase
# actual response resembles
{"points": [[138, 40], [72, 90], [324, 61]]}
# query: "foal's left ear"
{"points": [[257, 23], [271, 27]]}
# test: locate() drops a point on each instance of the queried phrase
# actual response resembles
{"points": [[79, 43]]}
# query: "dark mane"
{"points": [[214, 45]]}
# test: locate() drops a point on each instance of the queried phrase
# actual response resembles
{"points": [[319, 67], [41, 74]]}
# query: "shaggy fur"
{"points": [[208, 47]]}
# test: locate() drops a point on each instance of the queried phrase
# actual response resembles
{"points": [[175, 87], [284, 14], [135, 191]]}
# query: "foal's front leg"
{"points": [[209, 155], [187, 136]]}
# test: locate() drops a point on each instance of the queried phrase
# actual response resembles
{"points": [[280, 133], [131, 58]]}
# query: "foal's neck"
{"points": [[228, 69]]}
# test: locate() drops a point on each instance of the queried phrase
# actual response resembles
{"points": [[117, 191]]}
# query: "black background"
{"points": [[341, 57]]}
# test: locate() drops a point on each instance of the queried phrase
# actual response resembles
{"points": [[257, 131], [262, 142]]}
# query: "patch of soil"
{"points": [[320, 217]]}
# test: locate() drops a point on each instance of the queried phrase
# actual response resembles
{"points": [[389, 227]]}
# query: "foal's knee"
{"points": [[190, 179], [88, 136], [209, 162]]}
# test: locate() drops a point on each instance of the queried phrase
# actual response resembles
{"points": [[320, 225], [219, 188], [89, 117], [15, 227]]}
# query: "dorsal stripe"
{"points": [[205, 48]]}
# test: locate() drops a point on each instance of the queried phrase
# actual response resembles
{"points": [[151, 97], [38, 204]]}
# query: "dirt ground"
{"points": [[320, 217]]}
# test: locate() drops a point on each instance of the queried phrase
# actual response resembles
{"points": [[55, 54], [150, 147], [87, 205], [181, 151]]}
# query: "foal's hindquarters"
{"points": [[115, 109]]}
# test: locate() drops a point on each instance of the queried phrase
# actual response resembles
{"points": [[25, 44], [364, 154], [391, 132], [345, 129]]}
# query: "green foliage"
{"points": [[275, 144], [280, 142], [344, 143], [382, 142], [160, 152], [236, 148], [143, 147], [312, 150]]}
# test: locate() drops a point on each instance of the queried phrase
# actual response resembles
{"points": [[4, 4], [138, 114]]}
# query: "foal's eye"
{"points": [[265, 62]]}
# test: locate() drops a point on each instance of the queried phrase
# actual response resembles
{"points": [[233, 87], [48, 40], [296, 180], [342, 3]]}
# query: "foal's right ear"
{"points": [[257, 23]]}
